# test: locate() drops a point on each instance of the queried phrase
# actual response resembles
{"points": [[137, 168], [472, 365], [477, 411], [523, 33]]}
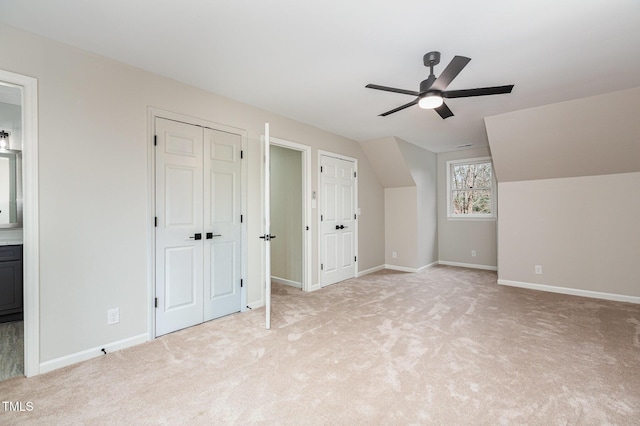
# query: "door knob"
{"points": [[196, 236]]}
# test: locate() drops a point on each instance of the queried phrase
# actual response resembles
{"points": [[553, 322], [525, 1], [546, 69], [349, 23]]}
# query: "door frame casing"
{"points": [[322, 153], [30, 219], [154, 113], [305, 150]]}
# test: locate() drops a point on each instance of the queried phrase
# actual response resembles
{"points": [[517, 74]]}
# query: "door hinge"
{"points": [[241, 283], [155, 221], [155, 140], [156, 303], [241, 154], [322, 266], [241, 218]]}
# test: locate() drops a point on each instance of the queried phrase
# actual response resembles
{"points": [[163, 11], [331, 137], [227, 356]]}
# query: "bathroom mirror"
{"points": [[10, 189]]}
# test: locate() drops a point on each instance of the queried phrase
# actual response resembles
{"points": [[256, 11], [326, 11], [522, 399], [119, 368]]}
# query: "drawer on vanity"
{"points": [[10, 253]]}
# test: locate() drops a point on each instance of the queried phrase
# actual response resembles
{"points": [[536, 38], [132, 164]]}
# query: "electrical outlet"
{"points": [[394, 254], [113, 316], [538, 270], [473, 253]]}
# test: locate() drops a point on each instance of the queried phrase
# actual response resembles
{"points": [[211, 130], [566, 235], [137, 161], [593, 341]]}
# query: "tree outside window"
{"points": [[471, 188]]}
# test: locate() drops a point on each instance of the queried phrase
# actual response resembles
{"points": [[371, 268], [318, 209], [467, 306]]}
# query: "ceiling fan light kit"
{"points": [[432, 90], [430, 101]]}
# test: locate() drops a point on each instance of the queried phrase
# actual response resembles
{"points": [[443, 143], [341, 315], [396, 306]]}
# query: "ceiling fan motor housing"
{"points": [[430, 59]]}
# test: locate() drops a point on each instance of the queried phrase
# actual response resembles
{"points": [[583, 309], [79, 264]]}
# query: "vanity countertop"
{"points": [[11, 243]]}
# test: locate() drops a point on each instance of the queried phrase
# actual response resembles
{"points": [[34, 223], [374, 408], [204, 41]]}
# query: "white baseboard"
{"points": [[468, 265], [572, 291], [66, 360], [405, 269], [255, 305], [315, 287], [400, 268], [370, 271], [431, 265], [286, 282]]}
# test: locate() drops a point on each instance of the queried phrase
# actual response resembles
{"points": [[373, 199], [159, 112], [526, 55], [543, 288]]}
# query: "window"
{"points": [[470, 186]]}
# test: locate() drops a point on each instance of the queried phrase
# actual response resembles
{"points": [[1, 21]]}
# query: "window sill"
{"points": [[472, 218]]}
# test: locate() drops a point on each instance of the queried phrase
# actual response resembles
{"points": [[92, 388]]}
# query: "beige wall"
{"points": [[568, 185], [94, 189], [286, 214], [401, 166], [583, 231], [423, 167], [401, 223], [458, 237]]}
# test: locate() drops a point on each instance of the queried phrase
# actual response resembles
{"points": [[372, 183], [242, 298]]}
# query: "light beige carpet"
{"points": [[445, 346]]}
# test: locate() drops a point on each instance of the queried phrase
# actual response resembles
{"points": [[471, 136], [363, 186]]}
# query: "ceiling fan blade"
{"points": [[450, 72], [392, 89], [444, 111], [400, 108], [482, 91]]}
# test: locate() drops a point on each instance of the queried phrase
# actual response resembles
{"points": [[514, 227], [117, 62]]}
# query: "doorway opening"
{"points": [[290, 214], [19, 236]]}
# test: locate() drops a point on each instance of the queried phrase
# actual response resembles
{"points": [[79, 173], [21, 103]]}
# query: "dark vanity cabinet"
{"points": [[10, 283]]}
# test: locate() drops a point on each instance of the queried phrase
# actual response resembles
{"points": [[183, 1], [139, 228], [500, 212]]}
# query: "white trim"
{"points": [[306, 205], [322, 153], [473, 218], [154, 113], [255, 305], [400, 268], [406, 269], [468, 265], [431, 265], [95, 352], [315, 287], [283, 281], [571, 291], [30, 220], [370, 271]]}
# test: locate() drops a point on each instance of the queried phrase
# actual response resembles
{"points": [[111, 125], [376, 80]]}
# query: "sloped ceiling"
{"points": [[593, 136], [310, 61], [388, 162]]}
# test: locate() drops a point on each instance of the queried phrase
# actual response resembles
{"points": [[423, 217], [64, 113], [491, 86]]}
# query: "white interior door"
{"points": [[223, 227], [179, 209], [338, 219], [266, 208], [198, 224]]}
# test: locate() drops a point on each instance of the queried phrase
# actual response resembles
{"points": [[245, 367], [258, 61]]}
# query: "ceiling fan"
{"points": [[432, 90]]}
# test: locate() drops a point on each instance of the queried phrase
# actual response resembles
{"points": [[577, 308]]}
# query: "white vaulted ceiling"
{"points": [[311, 60]]}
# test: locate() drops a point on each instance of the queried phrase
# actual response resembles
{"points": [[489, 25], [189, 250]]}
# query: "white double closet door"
{"points": [[198, 229]]}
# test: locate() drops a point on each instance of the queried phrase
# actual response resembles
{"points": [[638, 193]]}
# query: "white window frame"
{"points": [[494, 195]]}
